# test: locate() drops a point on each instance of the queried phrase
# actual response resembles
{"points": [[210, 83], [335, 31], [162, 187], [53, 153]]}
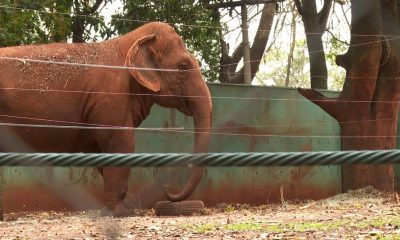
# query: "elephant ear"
{"points": [[143, 57]]}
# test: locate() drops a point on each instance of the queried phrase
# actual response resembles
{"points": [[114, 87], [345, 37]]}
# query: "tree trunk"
{"points": [[292, 46], [367, 108], [314, 27], [368, 138], [82, 9], [79, 23], [246, 47], [318, 70], [78, 30]]}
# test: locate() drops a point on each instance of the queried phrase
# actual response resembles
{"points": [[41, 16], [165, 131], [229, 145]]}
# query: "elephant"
{"points": [[42, 85]]}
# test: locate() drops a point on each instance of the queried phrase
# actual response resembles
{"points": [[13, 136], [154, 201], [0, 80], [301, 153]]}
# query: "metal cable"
{"points": [[392, 37], [42, 90], [126, 19], [147, 21], [92, 65], [24, 60], [206, 159], [185, 130]]}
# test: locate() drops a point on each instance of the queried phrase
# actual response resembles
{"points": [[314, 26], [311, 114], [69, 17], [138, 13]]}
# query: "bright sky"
{"points": [[112, 8]]}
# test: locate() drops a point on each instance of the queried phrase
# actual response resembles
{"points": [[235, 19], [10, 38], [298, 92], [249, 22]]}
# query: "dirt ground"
{"points": [[361, 214]]}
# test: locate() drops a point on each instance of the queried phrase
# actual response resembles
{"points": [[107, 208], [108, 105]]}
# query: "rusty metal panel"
{"points": [[239, 125]]}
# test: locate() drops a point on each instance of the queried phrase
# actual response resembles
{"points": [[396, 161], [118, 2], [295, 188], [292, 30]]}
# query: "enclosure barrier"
{"points": [[203, 160]]}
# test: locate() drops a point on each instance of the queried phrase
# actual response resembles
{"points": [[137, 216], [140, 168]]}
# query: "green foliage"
{"points": [[276, 65], [200, 228], [57, 27], [19, 27], [303, 226], [198, 26], [335, 47], [336, 73], [45, 25]]}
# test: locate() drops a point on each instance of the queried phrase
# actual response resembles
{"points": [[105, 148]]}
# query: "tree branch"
{"points": [[345, 16], [224, 48], [324, 13], [96, 6], [232, 4], [260, 40], [76, 6], [238, 53], [299, 7], [329, 105], [336, 38]]}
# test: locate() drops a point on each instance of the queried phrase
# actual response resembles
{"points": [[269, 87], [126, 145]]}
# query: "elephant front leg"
{"points": [[115, 190], [116, 178], [113, 110]]}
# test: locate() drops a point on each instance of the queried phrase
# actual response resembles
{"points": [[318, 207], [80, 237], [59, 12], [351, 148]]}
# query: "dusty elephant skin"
{"points": [[40, 93]]}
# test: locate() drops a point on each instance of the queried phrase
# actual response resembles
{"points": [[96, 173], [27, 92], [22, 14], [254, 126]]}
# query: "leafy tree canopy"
{"points": [[198, 26], [64, 20], [43, 21]]}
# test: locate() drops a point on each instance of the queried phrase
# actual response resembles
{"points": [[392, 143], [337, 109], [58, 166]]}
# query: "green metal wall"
{"points": [[242, 117]]}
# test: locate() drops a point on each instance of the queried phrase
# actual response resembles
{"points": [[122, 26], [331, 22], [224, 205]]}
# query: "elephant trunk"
{"points": [[202, 118]]}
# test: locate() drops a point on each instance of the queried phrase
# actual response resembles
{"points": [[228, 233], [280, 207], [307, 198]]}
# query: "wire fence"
{"points": [[93, 65], [85, 125], [62, 124], [180, 24], [185, 159], [78, 125]]}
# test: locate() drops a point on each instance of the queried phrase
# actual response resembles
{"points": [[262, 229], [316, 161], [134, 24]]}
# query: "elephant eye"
{"points": [[183, 66]]}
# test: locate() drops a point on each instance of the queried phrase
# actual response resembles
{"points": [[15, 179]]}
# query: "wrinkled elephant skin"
{"points": [[54, 94]]}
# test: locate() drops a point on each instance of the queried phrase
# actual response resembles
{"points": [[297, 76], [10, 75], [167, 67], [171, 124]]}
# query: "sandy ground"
{"points": [[361, 214]]}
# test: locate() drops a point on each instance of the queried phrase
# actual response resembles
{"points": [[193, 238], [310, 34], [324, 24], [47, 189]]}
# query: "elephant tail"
{"points": [[194, 180]]}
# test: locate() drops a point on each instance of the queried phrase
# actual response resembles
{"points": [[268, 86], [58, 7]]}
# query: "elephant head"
{"points": [[178, 84]]}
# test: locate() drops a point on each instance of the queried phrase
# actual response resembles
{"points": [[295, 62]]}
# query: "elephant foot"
{"points": [[119, 211]]}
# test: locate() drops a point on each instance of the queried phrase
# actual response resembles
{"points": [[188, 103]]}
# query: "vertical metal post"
{"points": [[246, 46]]}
